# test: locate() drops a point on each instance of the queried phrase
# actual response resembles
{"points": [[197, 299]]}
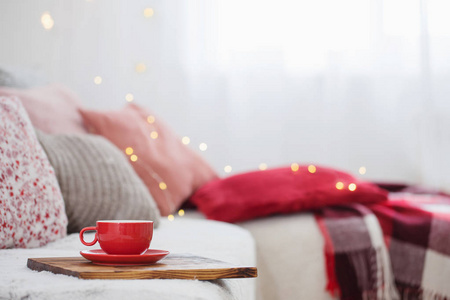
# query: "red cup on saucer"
{"points": [[121, 237]]}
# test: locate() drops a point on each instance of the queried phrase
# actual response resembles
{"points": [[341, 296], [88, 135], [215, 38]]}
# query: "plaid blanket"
{"points": [[399, 249]]}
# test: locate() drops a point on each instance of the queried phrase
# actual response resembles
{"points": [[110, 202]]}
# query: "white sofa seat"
{"points": [[290, 259], [211, 239]]}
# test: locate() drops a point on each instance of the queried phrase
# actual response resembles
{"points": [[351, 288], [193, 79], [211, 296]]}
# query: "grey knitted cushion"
{"points": [[96, 180]]}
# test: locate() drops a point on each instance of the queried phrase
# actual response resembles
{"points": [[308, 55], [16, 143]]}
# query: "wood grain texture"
{"points": [[176, 266]]}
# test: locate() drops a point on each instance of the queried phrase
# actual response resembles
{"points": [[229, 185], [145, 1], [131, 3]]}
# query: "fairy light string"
{"points": [[162, 185], [48, 22]]}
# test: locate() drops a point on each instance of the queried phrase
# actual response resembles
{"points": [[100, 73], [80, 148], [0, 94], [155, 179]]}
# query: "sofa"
{"points": [[64, 167], [103, 183]]}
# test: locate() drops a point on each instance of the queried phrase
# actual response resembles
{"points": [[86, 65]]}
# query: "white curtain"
{"points": [[346, 83]]}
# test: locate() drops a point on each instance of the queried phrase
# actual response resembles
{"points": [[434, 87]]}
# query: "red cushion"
{"points": [[261, 193]]}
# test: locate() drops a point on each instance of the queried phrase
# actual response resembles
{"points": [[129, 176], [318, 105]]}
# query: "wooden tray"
{"points": [[174, 266]]}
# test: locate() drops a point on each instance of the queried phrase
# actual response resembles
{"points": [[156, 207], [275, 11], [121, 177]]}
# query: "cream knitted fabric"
{"points": [[96, 180]]}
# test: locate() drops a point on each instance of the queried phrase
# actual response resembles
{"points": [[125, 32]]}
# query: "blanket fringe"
{"points": [[388, 290], [374, 276], [409, 293]]}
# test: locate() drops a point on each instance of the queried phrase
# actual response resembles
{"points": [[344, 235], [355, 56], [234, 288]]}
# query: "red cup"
{"points": [[121, 237]]}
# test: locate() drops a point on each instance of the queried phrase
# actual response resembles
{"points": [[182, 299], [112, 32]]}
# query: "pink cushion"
{"points": [[257, 194], [164, 159], [31, 205], [52, 108]]}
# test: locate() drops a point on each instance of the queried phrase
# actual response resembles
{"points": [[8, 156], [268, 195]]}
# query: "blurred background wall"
{"points": [[360, 85]]}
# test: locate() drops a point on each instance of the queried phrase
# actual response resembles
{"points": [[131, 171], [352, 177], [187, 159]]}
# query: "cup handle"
{"points": [[82, 238]]}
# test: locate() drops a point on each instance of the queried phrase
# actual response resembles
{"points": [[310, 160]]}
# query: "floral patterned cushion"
{"points": [[31, 205]]}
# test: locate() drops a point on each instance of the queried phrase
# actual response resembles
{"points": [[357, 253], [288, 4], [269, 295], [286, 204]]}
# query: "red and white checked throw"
{"points": [[399, 249]]}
